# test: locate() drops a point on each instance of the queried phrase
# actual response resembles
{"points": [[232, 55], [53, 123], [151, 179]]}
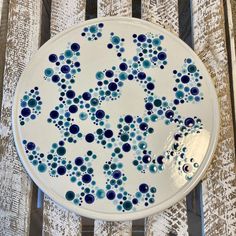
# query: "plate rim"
{"points": [[173, 199]]}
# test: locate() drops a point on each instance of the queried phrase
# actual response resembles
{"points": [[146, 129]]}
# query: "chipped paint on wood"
{"points": [[23, 39], [56, 219], [219, 184]]}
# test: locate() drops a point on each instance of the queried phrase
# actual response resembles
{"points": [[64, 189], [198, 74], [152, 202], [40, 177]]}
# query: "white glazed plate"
{"points": [[115, 118]]}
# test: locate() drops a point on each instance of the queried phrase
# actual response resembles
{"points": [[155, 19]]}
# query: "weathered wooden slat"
{"points": [[173, 220], [219, 190], [23, 39], [3, 37], [113, 8], [56, 219]]}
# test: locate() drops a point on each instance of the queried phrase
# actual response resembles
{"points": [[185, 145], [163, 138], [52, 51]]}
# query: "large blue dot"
{"points": [[25, 112], [185, 79], [61, 170], [194, 91], [169, 114], [86, 178], [74, 129], [100, 114], [161, 56], [112, 86], [30, 146], [126, 147], [141, 75], [70, 94], [143, 126], [143, 188], [128, 119], [116, 174], [55, 78], [86, 96], [89, 138], [189, 122], [148, 106], [123, 66], [150, 86], [160, 160], [79, 161], [65, 69], [146, 159], [89, 198], [73, 108], [52, 58], [54, 114], [111, 194], [142, 38], [108, 133], [109, 73], [75, 47]]}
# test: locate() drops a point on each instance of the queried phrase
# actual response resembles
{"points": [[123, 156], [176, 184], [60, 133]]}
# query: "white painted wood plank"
{"points": [[23, 39], [219, 185], [113, 8], [56, 219], [174, 219]]}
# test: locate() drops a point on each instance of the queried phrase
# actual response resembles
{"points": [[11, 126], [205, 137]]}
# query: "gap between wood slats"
{"points": [[194, 198], [36, 212]]}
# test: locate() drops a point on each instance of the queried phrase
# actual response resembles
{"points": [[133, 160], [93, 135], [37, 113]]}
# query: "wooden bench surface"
{"points": [[206, 25]]}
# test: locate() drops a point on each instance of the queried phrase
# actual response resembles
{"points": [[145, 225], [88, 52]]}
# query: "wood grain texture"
{"points": [[219, 185], [162, 12], [105, 228], [56, 219], [174, 219], [3, 36], [23, 39]]}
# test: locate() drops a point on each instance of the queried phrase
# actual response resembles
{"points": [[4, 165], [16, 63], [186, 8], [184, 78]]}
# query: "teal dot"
{"points": [[179, 94], [146, 64], [153, 168], [154, 118], [35, 162], [156, 41], [68, 53], [94, 101], [124, 137], [70, 195], [99, 75], [138, 195], [32, 102], [42, 167], [25, 97], [61, 151], [115, 40], [93, 29], [123, 76], [119, 207], [127, 205], [73, 179], [192, 68], [151, 200], [153, 189], [83, 116], [157, 102], [142, 145], [48, 72]]}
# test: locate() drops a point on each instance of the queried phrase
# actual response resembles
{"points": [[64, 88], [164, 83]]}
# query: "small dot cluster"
{"points": [[93, 32], [31, 105]]}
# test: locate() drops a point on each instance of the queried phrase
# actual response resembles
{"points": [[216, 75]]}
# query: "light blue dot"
{"points": [[99, 75], [115, 40], [42, 167], [48, 72]]}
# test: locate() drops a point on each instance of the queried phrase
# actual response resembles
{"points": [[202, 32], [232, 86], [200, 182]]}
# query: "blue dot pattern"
{"points": [[133, 130]]}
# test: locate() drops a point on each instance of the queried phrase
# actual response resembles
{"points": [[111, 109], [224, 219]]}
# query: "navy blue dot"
{"points": [[116, 174], [143, 188], [52, 58], [161, 56], [148, 106], [141, 75], [70, 94], [86, 178], [25, 112], [160, 160], [169, 114], [146, 158], [100, 114], [142, 38], [79, 161], [126, 147], [109, 45], [77, 64], [111, 194], [61, 170], [55, 78], [89, 198], [150, 86], [100, 25], [123, 66], [108, 133], [135, 201], [130, 77], [143, 126], [75, 47], [86, 96], [185, 79], [176, 101], [30, 146], [73, 108], [54, 114], [112, 86], [89, 138], [128, 119], [109, 73], [189, 122], [65, 69], [194, 91], [74, 129]]}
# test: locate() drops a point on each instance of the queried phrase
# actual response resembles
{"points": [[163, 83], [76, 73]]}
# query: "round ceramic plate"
{"points": [[115, 119]]}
